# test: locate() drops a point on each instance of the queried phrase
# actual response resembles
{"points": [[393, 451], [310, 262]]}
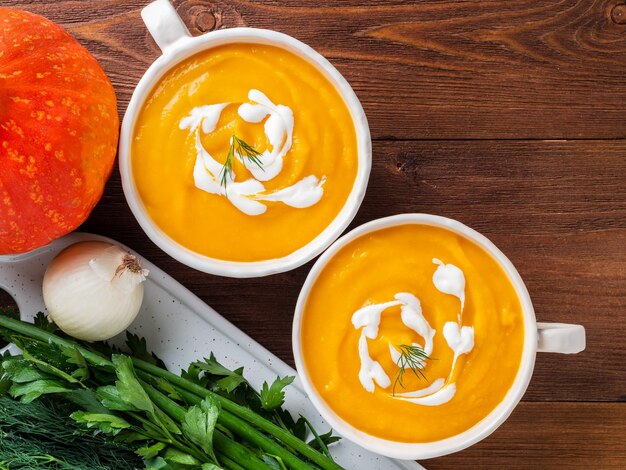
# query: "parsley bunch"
{"points": [[207, 418]]}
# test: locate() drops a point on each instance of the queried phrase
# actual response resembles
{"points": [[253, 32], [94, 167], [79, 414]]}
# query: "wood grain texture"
{"points": [[434, 69], [549, 436]]}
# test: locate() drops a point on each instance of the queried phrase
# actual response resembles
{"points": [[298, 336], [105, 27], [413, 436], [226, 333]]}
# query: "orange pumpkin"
{"points": [[58, 131]]}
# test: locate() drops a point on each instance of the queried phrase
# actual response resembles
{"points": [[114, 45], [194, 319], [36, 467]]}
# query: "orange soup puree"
{"points": [[383, 270], [279, 105]]}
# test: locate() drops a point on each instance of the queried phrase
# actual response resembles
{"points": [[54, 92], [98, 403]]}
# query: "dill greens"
{"points": [[244, 151], [39, 435], [413, 358]]}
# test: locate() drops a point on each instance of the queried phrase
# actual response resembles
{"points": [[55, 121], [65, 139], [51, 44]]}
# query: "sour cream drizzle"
{"points": [[448, 279], [368, 318], [246, 195]]}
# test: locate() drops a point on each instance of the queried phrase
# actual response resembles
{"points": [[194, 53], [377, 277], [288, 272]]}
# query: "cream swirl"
{"points": [[247, 195], [447, 279]]}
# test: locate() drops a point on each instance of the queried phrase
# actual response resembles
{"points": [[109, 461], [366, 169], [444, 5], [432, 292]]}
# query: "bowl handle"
{"points": [[561, 338], [164, 24]]}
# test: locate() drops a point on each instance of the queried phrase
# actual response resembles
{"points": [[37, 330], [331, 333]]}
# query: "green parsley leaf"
{"points": [[199, 424], [48, 368], [152, 451], [230, 383], [139, 349], [75, 357], [44, 322], [176, 457], [157, 463], [107, 423], [327, 439], [5, 380], [87, 400], [297, 428], [33, 390], [231, 379], [273, 396], [19, 370], [44, 355], [110, 397], [193, 375], [213, 367], [167, 388], [322, 441], [129, 388]]}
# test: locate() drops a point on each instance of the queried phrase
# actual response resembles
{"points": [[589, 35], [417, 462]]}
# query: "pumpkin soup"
{"points": [[412, 333], [244, 152]]}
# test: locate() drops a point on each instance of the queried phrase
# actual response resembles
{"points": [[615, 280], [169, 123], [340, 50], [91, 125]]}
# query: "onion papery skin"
{"points": [[80, 302]]}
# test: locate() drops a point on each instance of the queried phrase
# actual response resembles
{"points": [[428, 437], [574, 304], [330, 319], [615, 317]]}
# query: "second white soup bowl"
{"points": [[542, 337]]}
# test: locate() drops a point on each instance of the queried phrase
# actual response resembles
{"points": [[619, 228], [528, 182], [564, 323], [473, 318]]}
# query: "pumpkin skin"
{"points": [[58, 131]]}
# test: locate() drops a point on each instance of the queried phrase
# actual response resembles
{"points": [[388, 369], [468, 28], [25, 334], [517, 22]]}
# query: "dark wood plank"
{"points": [[550, 436], [557, 209], [433, 69]]}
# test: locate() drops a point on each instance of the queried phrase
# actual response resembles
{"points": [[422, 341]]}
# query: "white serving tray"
{"points": [[180, 328]]}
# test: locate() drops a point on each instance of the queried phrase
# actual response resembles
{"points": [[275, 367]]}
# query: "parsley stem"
{"points": [[229, 406], [241, 428], [32, 331], [318, 439], [238, 453], [228, 463], [242, 412], [222, 443]]}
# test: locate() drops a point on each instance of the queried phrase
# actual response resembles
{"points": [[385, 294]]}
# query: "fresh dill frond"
{"points": [[227, 169], [40, 435], [238, 147], [413, 358], [245, 150]]}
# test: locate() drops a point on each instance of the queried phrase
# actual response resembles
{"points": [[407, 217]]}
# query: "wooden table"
{"points": [[508, 116]]}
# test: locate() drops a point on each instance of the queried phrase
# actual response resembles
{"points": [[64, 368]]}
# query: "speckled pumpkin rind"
{"points": [[58, 131]]}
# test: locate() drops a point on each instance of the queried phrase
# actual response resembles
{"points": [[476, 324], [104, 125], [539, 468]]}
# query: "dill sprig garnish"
{"points": [[242, 149], [413, 358]]}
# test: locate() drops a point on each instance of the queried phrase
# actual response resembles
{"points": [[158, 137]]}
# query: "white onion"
{"points": [[93, 290]]}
